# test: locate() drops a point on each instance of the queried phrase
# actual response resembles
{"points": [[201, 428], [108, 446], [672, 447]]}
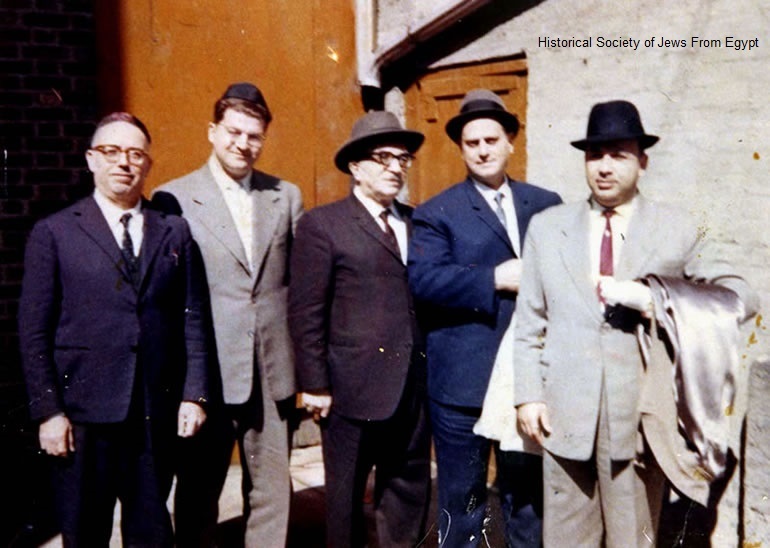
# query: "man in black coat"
{"points": [[112, 334], [359, 354]]}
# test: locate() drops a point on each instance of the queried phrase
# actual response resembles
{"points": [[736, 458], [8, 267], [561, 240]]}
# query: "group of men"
{"points": [[156, 335]]}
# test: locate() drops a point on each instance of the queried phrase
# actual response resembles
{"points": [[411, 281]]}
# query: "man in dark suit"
{"points": [[243, 221], [360, 365], [464, 267], [579, 366], [111, 324]]}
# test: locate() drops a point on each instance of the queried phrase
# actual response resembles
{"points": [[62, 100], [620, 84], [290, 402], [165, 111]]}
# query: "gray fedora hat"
{"points": [[481, 103], [615, 121], [375, 128]]}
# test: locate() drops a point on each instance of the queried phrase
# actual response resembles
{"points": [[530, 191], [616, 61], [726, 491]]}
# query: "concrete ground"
{"points": [[307, 524]]}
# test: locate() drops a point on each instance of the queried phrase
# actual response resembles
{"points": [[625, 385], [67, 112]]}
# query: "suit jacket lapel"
{"points": [[644, 232], [212, 212], [575, 252], [155, 229], [485, 213], [370, 226], [524, 210], [93, 223], [267, 199]]}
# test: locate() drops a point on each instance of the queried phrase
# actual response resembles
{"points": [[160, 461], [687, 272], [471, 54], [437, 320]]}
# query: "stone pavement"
{"points": [[307, 523]]}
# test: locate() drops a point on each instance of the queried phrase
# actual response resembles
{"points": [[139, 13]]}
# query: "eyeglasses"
{"points": [[111, 153], [384, 158], [252, 139]]}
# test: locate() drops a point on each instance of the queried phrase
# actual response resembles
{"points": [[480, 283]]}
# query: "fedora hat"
{"points": [[374, 128], [614, 121], [248, 92], [481, 103]]}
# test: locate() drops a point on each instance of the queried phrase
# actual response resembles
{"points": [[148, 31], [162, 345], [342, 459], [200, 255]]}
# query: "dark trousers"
{"points": [[114, 462], [462, 458], [399, 450]]}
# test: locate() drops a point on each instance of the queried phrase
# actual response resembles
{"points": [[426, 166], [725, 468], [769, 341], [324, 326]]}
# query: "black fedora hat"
{"points": [[248, 92], [615, 121], [374, 128], [481, 103]]}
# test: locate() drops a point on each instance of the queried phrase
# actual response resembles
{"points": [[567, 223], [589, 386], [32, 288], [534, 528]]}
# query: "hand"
{"points": [[190, 419], [508, 275], [534, 421], [317, 405], [56, 437], [627, 293]]}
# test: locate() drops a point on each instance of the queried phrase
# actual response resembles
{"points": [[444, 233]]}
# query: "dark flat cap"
{"points": [[248, 92]]}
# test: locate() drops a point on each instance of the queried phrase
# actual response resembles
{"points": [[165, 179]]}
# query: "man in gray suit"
{"points": [[578, 363], [243, 221]]}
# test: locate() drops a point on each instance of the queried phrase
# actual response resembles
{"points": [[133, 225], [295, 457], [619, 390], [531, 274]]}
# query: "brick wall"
{"points": [[47, 108]]}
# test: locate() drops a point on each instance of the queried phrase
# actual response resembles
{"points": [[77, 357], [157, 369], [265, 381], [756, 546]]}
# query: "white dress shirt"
{"points": [[395, 220], [512, 224], [112, 213], [238, 199]]}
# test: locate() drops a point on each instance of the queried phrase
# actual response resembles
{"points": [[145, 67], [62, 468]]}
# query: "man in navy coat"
{"points": [[112, 334], [464, 269]]}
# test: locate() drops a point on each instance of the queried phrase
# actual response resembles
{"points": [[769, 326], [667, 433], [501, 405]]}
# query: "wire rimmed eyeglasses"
{"points": [[112, 153]]}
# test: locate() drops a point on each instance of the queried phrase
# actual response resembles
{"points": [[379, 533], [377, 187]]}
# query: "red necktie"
{"points": [[605, 254]]}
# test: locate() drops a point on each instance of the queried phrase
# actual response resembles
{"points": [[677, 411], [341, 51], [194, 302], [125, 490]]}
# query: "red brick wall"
{"points": [[47, 109]]}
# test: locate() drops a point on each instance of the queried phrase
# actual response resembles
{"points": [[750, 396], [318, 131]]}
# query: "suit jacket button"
{"points": [[134, 348]]}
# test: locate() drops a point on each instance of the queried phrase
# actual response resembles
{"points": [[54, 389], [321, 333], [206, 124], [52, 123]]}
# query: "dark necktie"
{"points": [[605, 253], [499, 211], [127, 250], [390, 236]]}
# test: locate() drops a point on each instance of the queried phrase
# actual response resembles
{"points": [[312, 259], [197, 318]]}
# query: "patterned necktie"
{"points": [[605, 253], [390, 236], [499, 211], [127, 250]]}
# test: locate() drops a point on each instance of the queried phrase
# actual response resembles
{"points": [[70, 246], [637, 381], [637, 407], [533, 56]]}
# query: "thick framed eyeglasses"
{"points": [[111, 153], [384, 158]]}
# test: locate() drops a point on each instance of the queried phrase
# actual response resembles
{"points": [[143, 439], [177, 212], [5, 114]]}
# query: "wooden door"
{"points": [[436, 97]]}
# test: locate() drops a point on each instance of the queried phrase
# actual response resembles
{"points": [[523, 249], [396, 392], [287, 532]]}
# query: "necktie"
{"points": [[390, 236], [499, 211], [605, 253], [127, 250]]}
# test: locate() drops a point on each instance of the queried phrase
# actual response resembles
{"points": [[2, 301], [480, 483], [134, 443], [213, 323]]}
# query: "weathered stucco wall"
{"points": [[707, 101]]}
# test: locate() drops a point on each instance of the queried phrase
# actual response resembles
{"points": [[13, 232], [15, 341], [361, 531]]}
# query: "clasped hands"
{"points": [[318, 405]]}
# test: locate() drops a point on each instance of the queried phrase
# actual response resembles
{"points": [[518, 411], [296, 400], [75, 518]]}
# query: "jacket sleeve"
{"points": [[197, 327], [705, 264], [435, 275], [310, 294], [39, 312], [531, 324]]}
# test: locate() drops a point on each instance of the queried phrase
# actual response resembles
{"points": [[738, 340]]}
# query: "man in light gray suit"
{"points": [[578, 362], [243, 220]]}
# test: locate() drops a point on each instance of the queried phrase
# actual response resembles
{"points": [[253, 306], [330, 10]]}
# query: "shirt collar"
{"points": [[372, 206], [490, 193], [113, 212], [623, 210], [223, 179]]}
